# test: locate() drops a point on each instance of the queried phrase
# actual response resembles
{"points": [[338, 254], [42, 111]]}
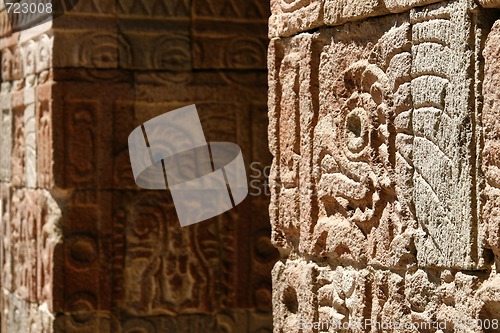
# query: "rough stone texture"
{"points": [[384, 189], [490, 3], [307, 292], [290, 17], [491, 151], [83, 249], [360, 111]]}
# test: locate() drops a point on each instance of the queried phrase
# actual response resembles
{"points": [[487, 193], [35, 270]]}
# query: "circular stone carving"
{"points": [[83, 250]]}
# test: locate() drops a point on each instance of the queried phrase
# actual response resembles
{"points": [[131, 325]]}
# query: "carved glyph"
{"points": [[316, 297], [397, 194], [393, 141]]}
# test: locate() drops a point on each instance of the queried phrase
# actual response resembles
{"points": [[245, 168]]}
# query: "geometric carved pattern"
{"points": [[69, 98]]}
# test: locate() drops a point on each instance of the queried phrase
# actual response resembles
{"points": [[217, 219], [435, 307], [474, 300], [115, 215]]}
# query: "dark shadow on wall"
{"points": [[124, 264]]}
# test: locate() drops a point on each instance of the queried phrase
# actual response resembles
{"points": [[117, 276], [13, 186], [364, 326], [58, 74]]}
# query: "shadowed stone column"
{"points": [[83, 248]]}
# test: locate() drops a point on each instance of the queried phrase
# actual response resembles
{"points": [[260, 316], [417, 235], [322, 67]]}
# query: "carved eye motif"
{"points": [[356, 130], [246, 53]]}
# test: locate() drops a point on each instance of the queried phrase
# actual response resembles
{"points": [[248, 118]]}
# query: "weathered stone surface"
{"points": [[290, 17], [490, 3], [167, 270], [384, 185], [312, 297], [44, 136], [449, 179], [29, 239], [29, 317], [83, 135], [355, 114], [23, 67], [158, 8], [95, 49], [491, 132], [295, 111], [85, 283], [6, 272], [72, 91], [241, 321], [236, 40], [30, 135], [166, 50], [28, 62], [5, 136], [19, 143], [354, 171]]}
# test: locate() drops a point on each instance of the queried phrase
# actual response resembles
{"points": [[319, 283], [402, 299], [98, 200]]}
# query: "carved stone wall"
{"points": [[83, 249], [385, 181]]}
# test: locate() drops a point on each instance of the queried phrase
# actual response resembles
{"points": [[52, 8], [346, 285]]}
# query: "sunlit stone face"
{"points": [[354, 169]]}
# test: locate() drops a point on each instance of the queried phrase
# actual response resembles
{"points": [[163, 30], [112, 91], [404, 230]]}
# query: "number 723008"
{"points": [[28, 8]]}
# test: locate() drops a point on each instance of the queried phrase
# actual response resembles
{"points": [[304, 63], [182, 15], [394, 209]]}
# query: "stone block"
{"points": [[83, 133], [399, 6], [154, 9], [339, 12], [235, 45], [27, 62], [93, 48], [293, 111], [44, 137], [162, 269], [229, 34], [33, 234], [491, 133], [154, 42], [30, 136], [83, 262], [290, 17], [444, 186], [157, 50], [166, 269], [30, 317], [311, 297], [490, 3], [6, 135], [6, 253], [231, 9], [19, 145], [352, 127]]}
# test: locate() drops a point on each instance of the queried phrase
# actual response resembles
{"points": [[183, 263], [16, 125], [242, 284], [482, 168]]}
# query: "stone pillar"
{"points": [[385, 183], [83, 248]]}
